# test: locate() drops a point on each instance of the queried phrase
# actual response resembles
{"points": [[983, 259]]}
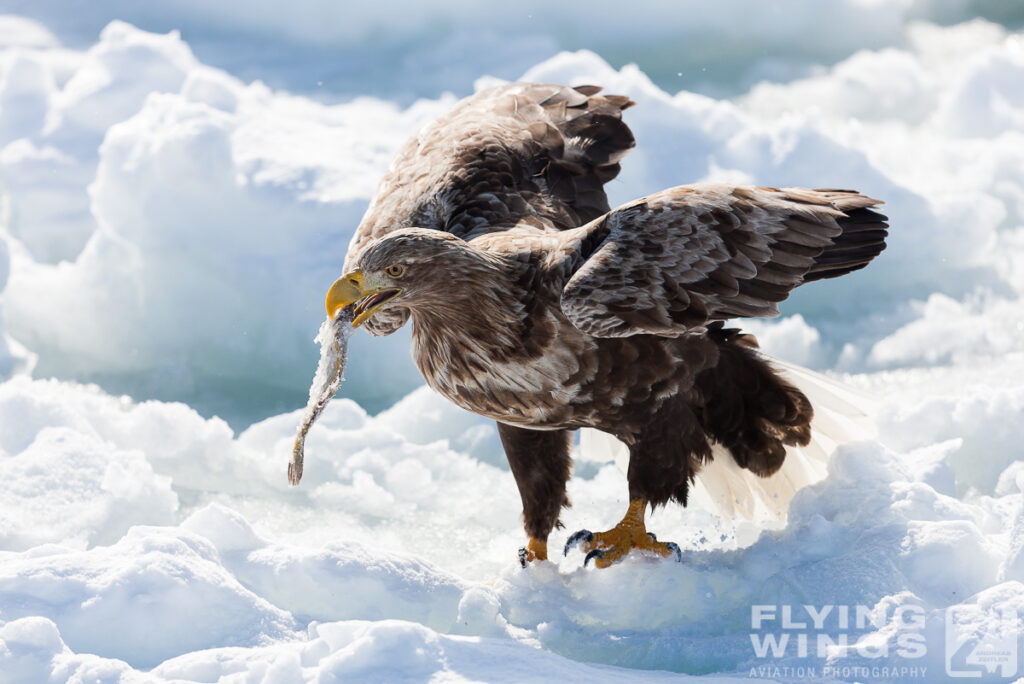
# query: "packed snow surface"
{"points": [[168, 230]]}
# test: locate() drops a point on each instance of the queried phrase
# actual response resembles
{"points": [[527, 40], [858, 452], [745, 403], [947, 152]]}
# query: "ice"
{"points": [[112, 81], [953, 331], [22, 32], [169, 228]]}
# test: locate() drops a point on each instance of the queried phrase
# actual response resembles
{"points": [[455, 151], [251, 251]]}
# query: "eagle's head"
{"points": [[413, 268]]}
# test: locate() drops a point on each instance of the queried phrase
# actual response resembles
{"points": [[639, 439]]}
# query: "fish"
{"points": [[333, 338]]}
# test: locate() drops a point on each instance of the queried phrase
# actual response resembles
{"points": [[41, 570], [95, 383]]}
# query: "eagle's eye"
{"points": [[395, 270]]}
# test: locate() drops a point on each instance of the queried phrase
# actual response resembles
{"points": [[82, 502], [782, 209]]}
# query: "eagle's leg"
{"points": [[663, 458], [540, 463], [631, 533]]}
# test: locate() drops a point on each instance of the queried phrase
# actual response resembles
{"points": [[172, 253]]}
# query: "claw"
{"points": [[583, 536], [609, 547], [535, 550]]}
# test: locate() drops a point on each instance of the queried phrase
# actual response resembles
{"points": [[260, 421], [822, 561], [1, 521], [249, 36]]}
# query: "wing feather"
{"points": [[523, 154], [680, 259]]}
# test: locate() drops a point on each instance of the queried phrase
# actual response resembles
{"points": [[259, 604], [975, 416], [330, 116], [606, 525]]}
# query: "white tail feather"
{"points": [[841, 415]]}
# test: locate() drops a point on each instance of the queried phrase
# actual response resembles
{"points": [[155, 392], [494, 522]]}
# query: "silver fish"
{"points": [[330, 371]]}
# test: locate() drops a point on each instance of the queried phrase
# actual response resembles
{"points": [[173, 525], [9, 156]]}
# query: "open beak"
{"points": [[366, 292]]}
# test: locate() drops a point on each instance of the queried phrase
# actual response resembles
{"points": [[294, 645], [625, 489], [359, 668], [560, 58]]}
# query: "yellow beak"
{"points": [[371, 293], [348, 289]]}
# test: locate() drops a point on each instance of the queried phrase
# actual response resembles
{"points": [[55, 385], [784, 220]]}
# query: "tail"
{"points": [[723, 487]]}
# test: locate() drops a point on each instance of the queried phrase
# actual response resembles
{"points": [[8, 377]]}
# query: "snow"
{"points": [[250, 162], [335, 605], [169, 227]]}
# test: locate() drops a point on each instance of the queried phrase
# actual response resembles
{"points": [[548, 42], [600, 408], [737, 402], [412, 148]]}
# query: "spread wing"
{"points": [[690, 255], [534, 156]]}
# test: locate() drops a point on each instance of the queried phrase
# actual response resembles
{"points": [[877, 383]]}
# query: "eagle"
{"points": [[536, 304]]}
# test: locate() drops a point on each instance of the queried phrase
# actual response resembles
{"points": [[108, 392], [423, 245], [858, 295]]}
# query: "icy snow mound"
{"points": [[387, 650], [210, 203], [200, 219], [398, 545], [82, 467], [157, 595]]}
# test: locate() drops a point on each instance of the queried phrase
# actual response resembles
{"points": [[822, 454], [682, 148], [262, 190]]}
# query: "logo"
{"points": [[974, 650], [808, 642], [885, 642]]}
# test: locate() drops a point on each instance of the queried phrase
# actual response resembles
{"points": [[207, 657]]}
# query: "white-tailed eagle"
{"points": [[536, 304]]}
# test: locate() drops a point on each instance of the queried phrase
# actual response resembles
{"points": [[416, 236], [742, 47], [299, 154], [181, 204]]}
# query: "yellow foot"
{"points": [[606, 548], [535, 549]]}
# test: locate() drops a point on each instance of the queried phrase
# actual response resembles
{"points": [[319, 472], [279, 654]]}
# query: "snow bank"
{"points": [[976, 406], [387, 650], [869, 523], [212, 208], [157, 594], [392, 525], [70, 448], [102, 491], [201, 234]]}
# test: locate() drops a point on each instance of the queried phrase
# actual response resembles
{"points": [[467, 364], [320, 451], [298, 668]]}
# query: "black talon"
{"points": [[672, 546], [576, 538], [596, 553], [652, 536], [522, 556]]}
